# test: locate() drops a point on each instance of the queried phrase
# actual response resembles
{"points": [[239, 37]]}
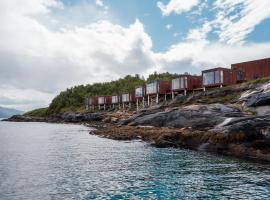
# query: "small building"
{"points": [[105, 101], [185, 83], [139, 96], [250, 70], [157, 89], [128, 99], [216, 77], [116, 100], [91, 102]]}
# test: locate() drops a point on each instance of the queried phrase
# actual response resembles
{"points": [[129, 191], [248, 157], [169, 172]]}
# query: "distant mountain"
{"points": [[8, 112]]}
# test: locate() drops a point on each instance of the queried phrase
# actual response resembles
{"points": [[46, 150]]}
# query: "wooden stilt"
{"points": [[137, 104]]}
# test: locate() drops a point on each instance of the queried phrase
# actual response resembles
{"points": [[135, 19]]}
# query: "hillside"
{"points": [[72, 100], [8, 112]]}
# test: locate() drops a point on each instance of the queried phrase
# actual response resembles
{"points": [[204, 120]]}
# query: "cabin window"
{"points": [[208, 78], [151, 88], [114, 99], [139, 92], [176, 84], [125, 97], [221, 77], [211, 78], [217, 77], [101, 100], [182, 83]]}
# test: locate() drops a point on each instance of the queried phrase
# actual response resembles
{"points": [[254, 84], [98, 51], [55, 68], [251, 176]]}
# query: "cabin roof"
{"points": [[215, 69], [246, 62]]}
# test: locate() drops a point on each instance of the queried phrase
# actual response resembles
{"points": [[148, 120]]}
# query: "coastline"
{"points": [[249, 145]]}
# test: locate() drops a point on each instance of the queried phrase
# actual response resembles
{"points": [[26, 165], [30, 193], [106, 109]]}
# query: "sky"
{"points": [[47, 46]]}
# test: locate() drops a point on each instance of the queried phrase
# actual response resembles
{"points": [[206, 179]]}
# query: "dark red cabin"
{"points": [[216, 77], [158, 87], [140, 92], [250, 70], [186, 82], [128, 97], [116, 99], [93, 101]]}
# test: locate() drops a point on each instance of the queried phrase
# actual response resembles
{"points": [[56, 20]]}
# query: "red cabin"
{"points": [[140, 92], [158, 87], [250, 70], [128, 98], [116, 99], [186, 83], [91, 102], [216, 77]]}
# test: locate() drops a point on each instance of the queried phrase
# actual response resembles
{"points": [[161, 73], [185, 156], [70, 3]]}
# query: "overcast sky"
{"points": [[49, 45]]}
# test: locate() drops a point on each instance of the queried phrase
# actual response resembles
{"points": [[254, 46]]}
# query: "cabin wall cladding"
{"points": [[216, 76], [250, 70]]}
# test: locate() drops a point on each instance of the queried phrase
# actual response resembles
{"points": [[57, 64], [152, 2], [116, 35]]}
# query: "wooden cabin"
{"points": [[105, 102], [156, 90], [216, 77], [185, 83], [250, 70], [116, 101], [139, 96], [91, 103], [128, 99]]}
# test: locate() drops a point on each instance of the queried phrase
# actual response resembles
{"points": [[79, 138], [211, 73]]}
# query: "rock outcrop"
{"points": [[199, 117]]}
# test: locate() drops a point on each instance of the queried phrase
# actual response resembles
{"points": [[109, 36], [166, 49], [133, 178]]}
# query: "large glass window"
{"points": [[125, 97], [114, 99], [151, 88], [139, 92], [176, 84], [217, 77], [101, 100], [208, 78]]}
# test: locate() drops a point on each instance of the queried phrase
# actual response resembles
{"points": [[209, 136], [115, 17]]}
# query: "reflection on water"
{"points": [[50, 161]]}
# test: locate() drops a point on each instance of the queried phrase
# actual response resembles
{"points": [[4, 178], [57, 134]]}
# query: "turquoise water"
{"points": [[50, 161]]}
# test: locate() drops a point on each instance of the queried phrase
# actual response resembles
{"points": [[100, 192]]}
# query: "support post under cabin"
{"points": [[157, 99], [137, 104], [148, 100], [172, 95], [104, 107], [185, 92], [143, 102]]}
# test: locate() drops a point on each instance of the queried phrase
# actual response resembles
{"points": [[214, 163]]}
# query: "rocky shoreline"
{"points": [[218, 128]]}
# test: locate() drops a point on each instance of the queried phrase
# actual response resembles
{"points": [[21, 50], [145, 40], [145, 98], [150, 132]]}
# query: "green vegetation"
{"points": [[73, 98], [41, 112]]}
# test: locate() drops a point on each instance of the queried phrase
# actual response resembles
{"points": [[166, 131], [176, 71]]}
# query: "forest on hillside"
{"points": [[73, 98]]}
